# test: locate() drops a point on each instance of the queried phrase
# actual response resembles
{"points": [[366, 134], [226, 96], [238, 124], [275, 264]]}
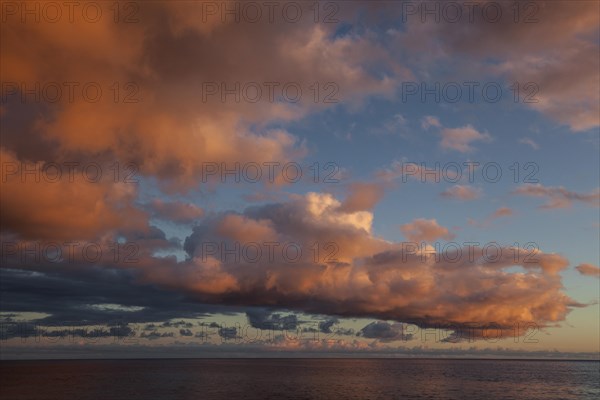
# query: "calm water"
{"points": [[299, 379]]}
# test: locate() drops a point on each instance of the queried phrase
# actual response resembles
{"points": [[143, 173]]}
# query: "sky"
{"points": [[323, 179]]}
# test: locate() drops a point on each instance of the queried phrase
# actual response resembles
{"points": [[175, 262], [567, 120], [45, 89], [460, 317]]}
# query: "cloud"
{"points": [[430, 121], [588, 269], [154, 335], [244, 229], [543, 56], [263, 319], [26, 329], [228, 333], [71, 290], [175, 211], [397, 124], [362, 197], [263, 196], [425, 230], [530, 143], [325, 326], [169, 129], [384, 331], [558, 197], [356, 275], [173, 129], [499, 213], [177, 324], [462, 192], [185, 332], [502, 212], [552, 91], [371, 277], [460, 139], [76, 206], [172, 123]]}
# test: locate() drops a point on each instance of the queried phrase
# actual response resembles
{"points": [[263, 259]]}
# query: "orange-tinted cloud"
{"points": [[368, 276], [362, 197], [499, 213], [171, 116], [558, 197], [588, 269], [37, 205], [460, 139], [425, 230], [462, 192], [502, 212], [551, 43]]}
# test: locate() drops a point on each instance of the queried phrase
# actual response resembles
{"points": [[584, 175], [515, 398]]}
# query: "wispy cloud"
{"points": [[462, 192], [530, 143], [558, 197], [460, 139]]}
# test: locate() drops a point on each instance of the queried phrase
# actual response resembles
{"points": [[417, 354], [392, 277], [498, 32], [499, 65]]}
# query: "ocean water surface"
{"points": [[299, 379]]}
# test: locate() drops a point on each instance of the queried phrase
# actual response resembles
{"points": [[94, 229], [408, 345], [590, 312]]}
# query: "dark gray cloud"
{"points": [[88, 296], [156, 335], [24, 330], [185, 332], [325, 326], [177, 324], [384, 331], [264, 319], [228, 333]]}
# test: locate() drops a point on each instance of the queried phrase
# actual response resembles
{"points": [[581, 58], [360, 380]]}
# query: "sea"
{"points": [[315, 378]]}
